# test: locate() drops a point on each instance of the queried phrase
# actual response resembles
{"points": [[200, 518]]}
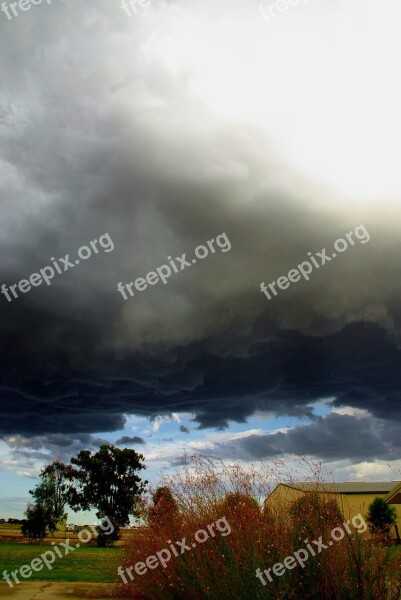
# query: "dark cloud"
{"points": [[126, 440], [50, 447], [93, 143], [359, 366], [334, 437], [184, 429]]}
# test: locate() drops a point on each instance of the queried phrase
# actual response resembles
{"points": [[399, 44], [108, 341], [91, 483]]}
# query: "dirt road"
{"points": [[42, 590]]}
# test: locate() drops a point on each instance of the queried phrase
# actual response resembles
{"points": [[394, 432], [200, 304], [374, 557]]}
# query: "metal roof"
{"points": [[349, 487], [394, 497]]}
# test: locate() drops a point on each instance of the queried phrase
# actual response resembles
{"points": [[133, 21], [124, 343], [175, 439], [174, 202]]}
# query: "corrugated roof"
{"points": [[349, 487]]}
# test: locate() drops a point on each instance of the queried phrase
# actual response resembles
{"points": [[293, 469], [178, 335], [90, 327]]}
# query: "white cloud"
{"points": [[359, 413]]}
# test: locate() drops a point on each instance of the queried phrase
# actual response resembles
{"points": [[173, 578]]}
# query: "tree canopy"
{"points": [[52, 492], [107, 481], [37, 521]]}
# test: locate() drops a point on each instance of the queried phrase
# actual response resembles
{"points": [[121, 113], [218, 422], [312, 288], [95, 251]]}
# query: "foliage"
{"points": [[12, 521], [381, 517], [52, 492], [164, 507], [314, 511], [235, 501], [224, 567], [38, 519], [109, 482]]}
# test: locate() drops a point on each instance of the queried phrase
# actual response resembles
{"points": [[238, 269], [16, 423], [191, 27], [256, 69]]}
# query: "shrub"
{"points": [[224, 566], [381, 517], [164, 507], [314, 512]]}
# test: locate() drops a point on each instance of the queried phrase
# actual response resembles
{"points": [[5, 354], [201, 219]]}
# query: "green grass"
{"points": [[87, 564]]}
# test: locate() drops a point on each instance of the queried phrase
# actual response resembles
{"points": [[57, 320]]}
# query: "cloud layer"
{"points": [[101, 133]]}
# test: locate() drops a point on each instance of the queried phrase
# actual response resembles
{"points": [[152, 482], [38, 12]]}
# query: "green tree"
{"points": [[34, 527], [381, 517], [52, 492], [107, 481]]}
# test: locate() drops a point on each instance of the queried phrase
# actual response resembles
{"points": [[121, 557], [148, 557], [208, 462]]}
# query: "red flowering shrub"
{"points": [[208, 534]]}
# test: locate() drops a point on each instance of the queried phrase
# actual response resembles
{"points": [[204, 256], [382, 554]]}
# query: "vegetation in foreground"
{"points": [[222, 568]]}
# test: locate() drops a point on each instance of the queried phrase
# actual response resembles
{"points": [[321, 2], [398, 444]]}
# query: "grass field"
{"points": [[87, 564]]}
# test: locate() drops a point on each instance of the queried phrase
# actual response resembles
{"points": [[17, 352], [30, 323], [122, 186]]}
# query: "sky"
{"points": [[272, 132]]}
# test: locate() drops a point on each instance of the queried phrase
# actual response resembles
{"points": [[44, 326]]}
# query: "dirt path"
{"points": [[42, 590]]}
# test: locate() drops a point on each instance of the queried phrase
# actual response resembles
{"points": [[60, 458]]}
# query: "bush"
{"points": [[210, 494], [164, 507], [381, 517], [314, 512]]}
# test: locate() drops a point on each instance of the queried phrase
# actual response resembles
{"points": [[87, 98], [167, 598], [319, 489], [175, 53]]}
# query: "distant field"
{"points": [[12, 534], [95, 565]]}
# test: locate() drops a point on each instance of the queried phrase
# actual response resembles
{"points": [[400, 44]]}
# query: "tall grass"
{"points": [[224, 567]]}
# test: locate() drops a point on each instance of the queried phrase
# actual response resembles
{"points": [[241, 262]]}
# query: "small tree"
{"points": [[52, 492], [35, 525], [381, 517]]}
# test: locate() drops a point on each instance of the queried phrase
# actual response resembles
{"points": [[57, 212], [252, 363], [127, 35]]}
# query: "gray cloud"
{"points": [[93, 143], [50, 447], [334, 437], [126, 440]]}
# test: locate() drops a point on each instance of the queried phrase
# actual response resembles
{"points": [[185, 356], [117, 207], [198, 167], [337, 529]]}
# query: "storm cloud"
{"points": [[94, 142], [334, 437]]}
